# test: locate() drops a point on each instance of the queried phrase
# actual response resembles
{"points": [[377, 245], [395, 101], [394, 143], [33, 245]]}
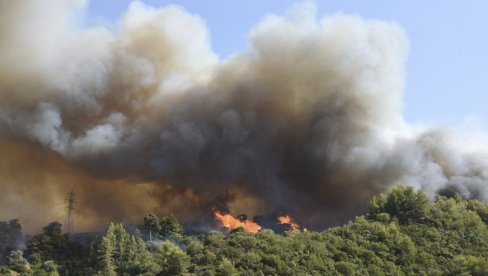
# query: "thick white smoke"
{"points": [[308, 120]]}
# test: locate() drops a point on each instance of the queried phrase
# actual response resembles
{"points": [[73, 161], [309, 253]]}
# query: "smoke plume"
{"points": [[145, 117]]}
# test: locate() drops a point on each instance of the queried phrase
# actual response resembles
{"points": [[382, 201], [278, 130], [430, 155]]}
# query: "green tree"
{"points": [[139, 260], [48, 268], [227, 268], [170, 226], [171, 259], [5, 271], [165, 227], [16, 262], [151, 224], [50, 245], [469, 265], [102, 253], [403, 203], [480, 208], [11, 237], [119, 253]]}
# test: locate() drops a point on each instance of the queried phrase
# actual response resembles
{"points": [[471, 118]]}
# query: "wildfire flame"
{"points": [[286, 219], [231, 223]]}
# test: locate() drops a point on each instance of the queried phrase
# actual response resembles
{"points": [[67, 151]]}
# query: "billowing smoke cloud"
{"points": [[308, 121]]}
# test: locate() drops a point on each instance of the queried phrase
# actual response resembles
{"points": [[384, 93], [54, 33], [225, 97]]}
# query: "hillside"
{"points": [[403, 233]]}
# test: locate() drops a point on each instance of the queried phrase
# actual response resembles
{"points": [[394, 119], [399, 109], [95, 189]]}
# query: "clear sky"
{"points": [[447, 68]]}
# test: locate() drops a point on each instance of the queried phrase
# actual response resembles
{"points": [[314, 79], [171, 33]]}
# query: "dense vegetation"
{"points": [[403, 233]]}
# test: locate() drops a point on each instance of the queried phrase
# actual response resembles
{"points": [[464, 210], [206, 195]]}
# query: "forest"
{"points": [[403, 232]]}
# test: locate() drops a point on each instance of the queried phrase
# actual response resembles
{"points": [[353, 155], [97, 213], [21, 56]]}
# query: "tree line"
{"points": [[402, 233]]}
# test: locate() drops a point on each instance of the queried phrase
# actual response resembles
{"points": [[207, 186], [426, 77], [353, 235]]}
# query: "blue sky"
{"points": [[447, 68]]}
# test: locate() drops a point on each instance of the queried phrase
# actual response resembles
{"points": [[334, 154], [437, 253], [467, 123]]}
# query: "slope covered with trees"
{"points": [[403, 233]]}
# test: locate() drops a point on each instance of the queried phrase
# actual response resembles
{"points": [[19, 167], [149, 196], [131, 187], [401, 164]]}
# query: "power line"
{"points": [[70, 209]]}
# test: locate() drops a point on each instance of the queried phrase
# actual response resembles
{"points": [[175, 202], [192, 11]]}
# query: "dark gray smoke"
{"points": [[308, 121]]}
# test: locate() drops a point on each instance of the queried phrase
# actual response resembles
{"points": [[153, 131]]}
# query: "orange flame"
{"points": [[231, 223], [286, 219]]}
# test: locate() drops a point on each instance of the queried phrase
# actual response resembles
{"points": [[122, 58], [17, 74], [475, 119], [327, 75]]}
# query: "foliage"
{"points": [[226, 268], [165, 227], [11, 238], [171, 259], [16, 262], [403, 233], [52, 246], [119, 253], [403, 203]]}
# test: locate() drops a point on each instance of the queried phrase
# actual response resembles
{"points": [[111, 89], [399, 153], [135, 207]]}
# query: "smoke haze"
{"points": [[146, 117]]}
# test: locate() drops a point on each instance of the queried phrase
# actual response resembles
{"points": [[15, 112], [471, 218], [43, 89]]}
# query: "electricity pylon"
{"points": [[70, 209]]}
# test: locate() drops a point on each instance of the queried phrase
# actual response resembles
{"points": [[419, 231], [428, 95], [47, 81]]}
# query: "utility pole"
{"points": [[70, 209]]}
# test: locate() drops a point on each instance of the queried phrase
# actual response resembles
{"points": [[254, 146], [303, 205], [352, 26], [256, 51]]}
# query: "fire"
{"points": [[231, 223], [286, 219]]}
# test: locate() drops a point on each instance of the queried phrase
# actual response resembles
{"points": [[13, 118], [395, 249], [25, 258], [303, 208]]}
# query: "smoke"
{"points": [[146, 117]]}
